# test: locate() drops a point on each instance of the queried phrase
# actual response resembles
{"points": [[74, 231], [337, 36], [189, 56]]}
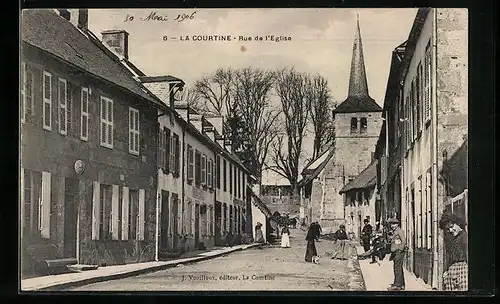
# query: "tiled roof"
{"points": [[355, 104], [311, 172], [366, 179], [49, 32]]}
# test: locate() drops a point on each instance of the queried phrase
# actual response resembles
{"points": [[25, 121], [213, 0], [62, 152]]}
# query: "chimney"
{"points": [[217, 122], [117, 40], [79, 17], [227, 145]]}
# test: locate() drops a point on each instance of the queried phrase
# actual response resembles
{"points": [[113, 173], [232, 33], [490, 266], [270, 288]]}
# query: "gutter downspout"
{"points": [[435, 252]]}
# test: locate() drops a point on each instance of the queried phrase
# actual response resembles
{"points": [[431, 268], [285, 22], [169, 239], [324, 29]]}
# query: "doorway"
{"points": [[70, 217], [164, 221], [196, 225], [175, 223], [218, 216]]}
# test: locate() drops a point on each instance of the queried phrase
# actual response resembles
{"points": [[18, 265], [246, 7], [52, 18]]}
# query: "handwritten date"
{"points": [[154, 16]]}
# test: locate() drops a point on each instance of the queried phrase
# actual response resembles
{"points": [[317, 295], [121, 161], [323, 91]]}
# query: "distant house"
{"points": [[279, 198]]}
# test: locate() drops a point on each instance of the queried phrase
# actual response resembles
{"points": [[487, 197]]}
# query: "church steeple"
{"points": [[358, 99], [358, 85]]}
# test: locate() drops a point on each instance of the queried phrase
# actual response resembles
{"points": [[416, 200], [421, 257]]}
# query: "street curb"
{"points": [[116, 276]]}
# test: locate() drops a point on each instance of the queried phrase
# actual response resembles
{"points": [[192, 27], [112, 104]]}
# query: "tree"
{"points": [[194, 100], [292, 89], [320, 113], [251, 92]]}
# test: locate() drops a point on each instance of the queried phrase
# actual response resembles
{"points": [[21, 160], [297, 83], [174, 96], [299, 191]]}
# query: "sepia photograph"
{"points": [[290, 149]]}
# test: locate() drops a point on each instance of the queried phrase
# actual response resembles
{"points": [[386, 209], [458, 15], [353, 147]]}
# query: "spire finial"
{"points": [[357, 84]]}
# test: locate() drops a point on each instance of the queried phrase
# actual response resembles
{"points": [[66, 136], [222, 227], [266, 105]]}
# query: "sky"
{"points": [[321, 42]]}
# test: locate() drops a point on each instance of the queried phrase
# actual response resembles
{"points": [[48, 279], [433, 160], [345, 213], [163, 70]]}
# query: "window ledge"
{"points": [[107, 146], [134, 153]]}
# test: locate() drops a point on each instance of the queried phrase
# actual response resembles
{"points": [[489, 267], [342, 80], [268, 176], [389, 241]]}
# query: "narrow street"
{"points": [[271, 269]]}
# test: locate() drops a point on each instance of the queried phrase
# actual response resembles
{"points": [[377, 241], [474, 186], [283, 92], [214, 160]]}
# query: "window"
{"points": [[106, 122], [230, 178], [422, 209], [217, 171], [27, 104], [47, 101], [133, 131], [235, 184], [177, 156], [238, 180], [69, 108], [354, 125], [30, 197], [133, 214], [173, 149], [244, 184], [428, 186], [224, 170], [209, 173], [84, 119], [418, 98], [413, 111], [211, 220], [105, 212], [63, 113], [166, 133], [161, 148], [364, 125], [190, 169], [203, 170], [427, 84], [197, 163]]}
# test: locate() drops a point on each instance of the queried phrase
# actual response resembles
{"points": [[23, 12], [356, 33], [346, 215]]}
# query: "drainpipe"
{"points": [[434, 146]]}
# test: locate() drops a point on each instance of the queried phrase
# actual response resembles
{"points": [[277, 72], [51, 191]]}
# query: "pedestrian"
{"points": [[285, 238], [366, 234], [398, 249], [229, 239], [259, 236], [340, 244], [311, 247], [318, 230], [455, 278]]}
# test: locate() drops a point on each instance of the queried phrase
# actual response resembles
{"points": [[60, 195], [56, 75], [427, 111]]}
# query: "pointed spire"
{"points": [[358, 85]]}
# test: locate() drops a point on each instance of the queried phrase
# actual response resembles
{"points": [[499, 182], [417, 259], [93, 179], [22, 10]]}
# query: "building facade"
{"points": [[88, 137], [428, 121]]}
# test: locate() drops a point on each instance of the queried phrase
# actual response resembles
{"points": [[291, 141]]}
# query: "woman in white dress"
{"points": [[285, 238]]}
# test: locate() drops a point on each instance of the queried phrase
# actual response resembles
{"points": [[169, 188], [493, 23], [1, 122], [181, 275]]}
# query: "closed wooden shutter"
{"points": [[125, 213], [96, 202], [115, 213], [167, 150], [177, 156], [141, 215], [23, 223], [45, 205]]}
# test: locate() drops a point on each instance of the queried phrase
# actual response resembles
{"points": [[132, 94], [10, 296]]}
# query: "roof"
{"points": [[355, 104], [316, 166], [164, 78], [366, 179], [48, 31], [259, 204]]}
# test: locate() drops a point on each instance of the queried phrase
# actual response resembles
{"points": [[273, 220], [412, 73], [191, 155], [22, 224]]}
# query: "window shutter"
{"points": [[167, 150], [125, 211], [114, 212], [161, 154], [177, 156], [96, 210], [141, 215], [23, 86], [427, 86], [45, 205]]}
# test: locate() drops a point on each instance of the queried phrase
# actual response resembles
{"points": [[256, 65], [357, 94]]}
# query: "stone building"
{"points": [[427, 121], [357, 124], [279, 198], [88, 156]]}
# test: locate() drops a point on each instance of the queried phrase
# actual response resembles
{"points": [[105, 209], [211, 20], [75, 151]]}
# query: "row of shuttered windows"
{"points": [[67, 119], [419, 202], [117, 212], [202, 170], [416, 107]]}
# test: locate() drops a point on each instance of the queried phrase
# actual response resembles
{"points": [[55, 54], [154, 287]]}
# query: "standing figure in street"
{"points": [[259, 236], [311, 247], [398, 249], [285, 238], [341, 244], [366, 235], [318, 230], [455, 278]]}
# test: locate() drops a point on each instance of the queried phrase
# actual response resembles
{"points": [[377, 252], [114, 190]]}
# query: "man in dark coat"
{"points": [[398, 249], [366, 235], [318, 230]]}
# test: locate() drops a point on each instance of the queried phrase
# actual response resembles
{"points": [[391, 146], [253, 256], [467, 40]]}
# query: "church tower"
{"points": [[357, 123]]}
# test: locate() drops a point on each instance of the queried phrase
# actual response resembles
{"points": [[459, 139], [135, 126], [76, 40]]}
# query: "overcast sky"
{"points": [[321, 42]]}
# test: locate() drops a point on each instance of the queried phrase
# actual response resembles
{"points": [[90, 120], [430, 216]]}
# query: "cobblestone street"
{"points": [[271, 269]]}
